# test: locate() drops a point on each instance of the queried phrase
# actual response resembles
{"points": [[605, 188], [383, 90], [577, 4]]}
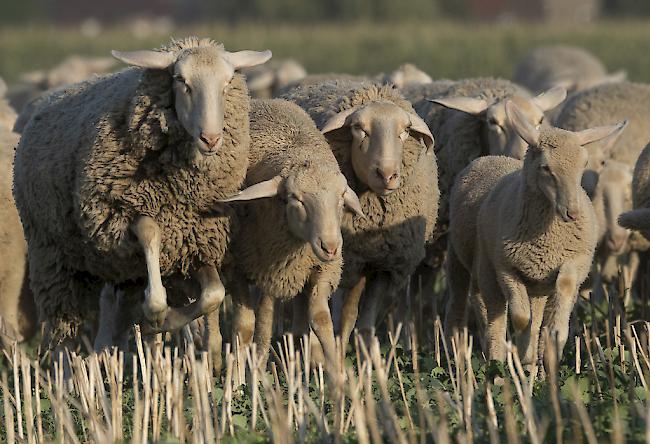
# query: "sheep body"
{"points": [[607, 104], [17, 309], [98, 155]]}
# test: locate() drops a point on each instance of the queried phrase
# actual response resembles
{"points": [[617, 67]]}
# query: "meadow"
{"points": [[411, 386]]}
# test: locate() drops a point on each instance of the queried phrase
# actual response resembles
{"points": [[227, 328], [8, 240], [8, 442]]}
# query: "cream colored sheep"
{"points": [[526, 236]]}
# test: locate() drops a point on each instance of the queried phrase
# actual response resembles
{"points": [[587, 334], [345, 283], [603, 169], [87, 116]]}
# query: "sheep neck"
{"points": [[536, 213]]}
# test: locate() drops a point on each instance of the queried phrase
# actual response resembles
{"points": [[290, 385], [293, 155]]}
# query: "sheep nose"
{"points": [[330, 247], [211, 140], [388, 176]]}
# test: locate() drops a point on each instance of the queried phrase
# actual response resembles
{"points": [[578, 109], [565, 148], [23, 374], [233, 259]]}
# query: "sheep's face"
{"points": [[557, 167], [408, 74], [556, 159], [201, 77], [500, 136], [615, 184], [378, 132], [314, 210]]}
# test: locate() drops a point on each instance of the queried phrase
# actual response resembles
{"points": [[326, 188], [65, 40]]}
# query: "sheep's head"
{"points": [[556, 159], [378, 131], [408, 74], [598, 155], [615, 187], [502, 139], [314, 202], [201, 77]]}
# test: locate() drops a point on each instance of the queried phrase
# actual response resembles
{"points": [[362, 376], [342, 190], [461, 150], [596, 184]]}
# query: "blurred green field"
{"points": [[442, 49]]}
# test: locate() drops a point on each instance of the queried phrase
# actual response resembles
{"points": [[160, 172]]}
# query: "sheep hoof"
{"points": [[155, 308]]}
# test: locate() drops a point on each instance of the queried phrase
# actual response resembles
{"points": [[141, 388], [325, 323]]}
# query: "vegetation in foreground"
{"points": [[434, 392]]}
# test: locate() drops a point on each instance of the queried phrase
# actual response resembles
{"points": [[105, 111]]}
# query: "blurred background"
{"points": [[445, 38]]}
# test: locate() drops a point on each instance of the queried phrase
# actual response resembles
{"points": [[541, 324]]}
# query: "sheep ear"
{"points": [[146, 59], [246, 59], [268, 188], [351, 201], [337, 121], [607, 135], [418, 125], [522, 126], [467, 105], [617, 76], [638, 219], [551, 98]]}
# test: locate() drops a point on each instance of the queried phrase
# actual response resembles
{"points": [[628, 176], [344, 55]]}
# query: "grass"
{"points": [[435, 391], [442, 49]]}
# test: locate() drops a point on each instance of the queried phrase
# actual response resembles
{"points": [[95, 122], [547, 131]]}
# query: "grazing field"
{"points": [[413, 388], [442, 49]]}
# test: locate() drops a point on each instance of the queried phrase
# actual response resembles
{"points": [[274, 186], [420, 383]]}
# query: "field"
{"points": [[413, 388]]}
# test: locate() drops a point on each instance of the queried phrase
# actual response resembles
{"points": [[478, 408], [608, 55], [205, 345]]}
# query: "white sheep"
{"points": [[570, 67], [146, 154], [265, 81], [522, 238], [386, 153], [292, 166]]}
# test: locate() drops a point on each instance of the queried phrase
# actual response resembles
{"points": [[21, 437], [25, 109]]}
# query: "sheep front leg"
{"points": [[320, 320], [350, 310], [558, 312], [264, 327], [379, 286], [516, 295], [491, 309], [155, 296], [459, 279]]}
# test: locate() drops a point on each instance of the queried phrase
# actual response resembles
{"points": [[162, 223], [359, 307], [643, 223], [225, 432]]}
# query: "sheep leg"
{"points": [[528, 351], [493, 308], [108, 310], [350, 310], [516, 294], [320, 320], [155, 296], [300, 326], [458, 292], [212, 337], [212, 296], [558, 311], [264, 327], [378, 287]]}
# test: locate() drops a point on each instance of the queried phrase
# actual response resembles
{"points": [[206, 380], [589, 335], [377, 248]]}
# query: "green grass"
{"points": [[442, 49]]}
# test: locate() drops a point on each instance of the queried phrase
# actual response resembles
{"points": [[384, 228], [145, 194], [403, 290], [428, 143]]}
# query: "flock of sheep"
{"points": [[148, 194]]}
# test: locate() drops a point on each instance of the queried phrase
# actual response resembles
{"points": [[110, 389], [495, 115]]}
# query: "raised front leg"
{"points": [[350, 310], [155, 297]]}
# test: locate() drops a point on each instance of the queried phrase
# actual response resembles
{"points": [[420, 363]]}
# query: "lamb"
{"points": [[266, 80], [571, 67], [522, 238], [386, 153], [605, 104], [290, 164], [17, 309], [146, 153]]}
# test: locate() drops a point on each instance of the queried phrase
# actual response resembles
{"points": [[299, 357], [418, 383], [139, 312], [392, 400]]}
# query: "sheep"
{"points": [[571, 67], [605, 104], [17, 309], [292, 165], [116, 180], [386, 153], [522, 238], [7, 113], [73, 69], [266, 80], [639, 218], [406, 75]]}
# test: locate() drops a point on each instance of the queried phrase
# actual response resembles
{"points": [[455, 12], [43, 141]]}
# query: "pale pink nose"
{"points": [[211, 140], [389, 177]]}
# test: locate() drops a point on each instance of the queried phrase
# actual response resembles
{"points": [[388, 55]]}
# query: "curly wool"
{"points": [[100, 154], [284, 141], [608, 104], [393, 235]]}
